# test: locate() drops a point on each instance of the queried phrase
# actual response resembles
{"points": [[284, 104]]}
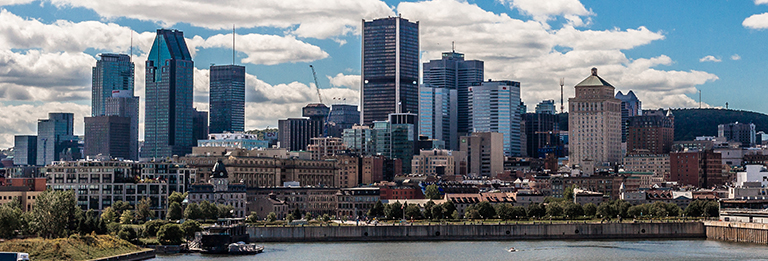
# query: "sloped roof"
{"points": [[594, 80]]}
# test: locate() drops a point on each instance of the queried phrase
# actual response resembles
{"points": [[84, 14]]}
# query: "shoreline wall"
{"points": [[478, 232], [737, 232]]}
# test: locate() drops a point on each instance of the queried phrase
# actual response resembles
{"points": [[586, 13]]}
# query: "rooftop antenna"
{"points": [[562, 82], [726, 105], [233, 44], [699, 99], [453, 46], [131, 48]]}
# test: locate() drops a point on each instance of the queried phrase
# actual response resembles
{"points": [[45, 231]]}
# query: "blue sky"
{"points": [[666, 51]]}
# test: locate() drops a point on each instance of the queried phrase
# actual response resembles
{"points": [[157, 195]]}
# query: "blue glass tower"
{"points": [[437, 115], [52, 136], [495, 107], [113, 72], [227, 98], [169, 90], [453, 72]]}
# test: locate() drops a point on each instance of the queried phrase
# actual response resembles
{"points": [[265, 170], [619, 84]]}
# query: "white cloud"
{"points": [[710, 58], [761, 2], [14, 2], [342, 80], [529, 52], [268, 49], [38, 76], [756, 21], [735, 57], [542, 11], [304, 18]]}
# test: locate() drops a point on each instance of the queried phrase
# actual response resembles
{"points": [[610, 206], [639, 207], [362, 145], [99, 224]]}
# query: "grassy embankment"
{"points": [[72, 248]]}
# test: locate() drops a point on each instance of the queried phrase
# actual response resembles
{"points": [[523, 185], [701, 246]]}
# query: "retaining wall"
{"points": [[478, 232], [737, 232], [135, 256]]}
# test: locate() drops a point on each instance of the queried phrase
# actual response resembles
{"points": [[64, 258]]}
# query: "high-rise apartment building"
{"points": [[437, 115], [546, 107], [703, 169], [169, 93], [25, 150], [54, 137], [651, 133], [453, 72], [108, 136], [495, 107], [390, 68], [630, 107], [594, 122], [124, 104], [113, 72], [739, 132], [484, 153], [227, 98]]}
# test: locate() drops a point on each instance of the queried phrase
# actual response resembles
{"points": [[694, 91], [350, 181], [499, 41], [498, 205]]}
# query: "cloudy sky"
{"points": [[663, 50]]}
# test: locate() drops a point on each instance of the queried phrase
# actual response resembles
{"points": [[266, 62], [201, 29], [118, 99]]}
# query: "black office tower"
{"points": [[227, 98], [390, 73], [453, 72]]}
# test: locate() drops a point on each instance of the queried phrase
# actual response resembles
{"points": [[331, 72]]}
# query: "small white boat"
{"points": [[512, 249], [241, 248]]}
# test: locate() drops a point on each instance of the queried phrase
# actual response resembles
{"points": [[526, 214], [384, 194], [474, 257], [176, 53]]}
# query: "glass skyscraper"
{"points": [[495, 107], [453, 72], [113, 72], [53, 136], [124, 104], [169, 90], [227, 98], [437, 115], [390, 73]]}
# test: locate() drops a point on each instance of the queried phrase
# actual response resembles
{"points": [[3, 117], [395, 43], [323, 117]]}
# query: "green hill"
{"points": [[690, 123]]}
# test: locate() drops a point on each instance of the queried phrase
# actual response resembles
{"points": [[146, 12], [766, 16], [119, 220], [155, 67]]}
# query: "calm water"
{"points": [[497, 250]]}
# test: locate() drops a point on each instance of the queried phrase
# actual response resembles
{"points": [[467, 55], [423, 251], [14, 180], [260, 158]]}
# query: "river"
{"points": [[694, 249]]}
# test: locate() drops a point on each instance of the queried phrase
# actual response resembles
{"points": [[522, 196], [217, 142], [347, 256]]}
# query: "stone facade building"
{"points": [[220, 191]]}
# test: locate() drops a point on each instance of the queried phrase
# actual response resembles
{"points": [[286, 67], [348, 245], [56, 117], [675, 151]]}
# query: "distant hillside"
{"points": [[690, 123]]}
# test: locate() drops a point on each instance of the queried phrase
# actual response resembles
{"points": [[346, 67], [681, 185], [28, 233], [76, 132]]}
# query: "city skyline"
{"points": [[664, 60]]}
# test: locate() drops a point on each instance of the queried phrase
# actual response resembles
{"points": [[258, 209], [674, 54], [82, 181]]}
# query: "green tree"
{"points": [[437, 211], [455, 215], [225, 211], [572, 210], [673, 209], [152, 226], [432, 192], [209, 210], [589, 209], [55, 213], [297, 213], [472, 212], [176, 197], [428, 209], [448, 207], [10, 220], [394, 210], [413, 211], [120, 206], [113, 228], [695, 208], [637, 211], [193, 212], [143, 210], [271, 217], [175, 212], [535, 210], [554, 209], [127, 217], [605, 210], [505, 211], [711, 209], [170, 234], [190, 227], [289, 218], [377, 210], [518, 212], [253, 217], [486, 210], [308, 216], [568, 193], [129, 234], [108, 215], [325, 218]]}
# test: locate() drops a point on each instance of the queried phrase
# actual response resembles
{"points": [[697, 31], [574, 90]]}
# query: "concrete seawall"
{"points": [[478, 232], [737, 232]]}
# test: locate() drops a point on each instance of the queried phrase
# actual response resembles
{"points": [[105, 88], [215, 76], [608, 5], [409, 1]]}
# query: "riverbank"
{"points": [[737, 232], [445, 232], [75, 247]]}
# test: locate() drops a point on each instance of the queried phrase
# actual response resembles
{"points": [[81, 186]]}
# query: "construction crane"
{"points": [[317, 86]]}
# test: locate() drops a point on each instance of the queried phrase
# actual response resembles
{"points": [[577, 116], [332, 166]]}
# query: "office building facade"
{"points": [[738, 132], [546, 107], [594, 122], [295, 133], [227, 98], [542, 135], [360, 140], [453, 72], [25, 150], [54, 137], [108, 136], [484, 152], [390, 68], [651, 133], [630, 107], [438, 115], [199, 125], [341, 117], [124, 104], [113, 72], [169, 86], [495, 107]]}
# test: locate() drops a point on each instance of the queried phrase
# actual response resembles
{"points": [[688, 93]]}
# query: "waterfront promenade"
{"points": [[485, 231]]}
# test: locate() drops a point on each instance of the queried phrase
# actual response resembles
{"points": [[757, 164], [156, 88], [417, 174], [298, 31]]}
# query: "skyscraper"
{"points": [[594, 124], [25, 150], [169, 89], [227, 98], [390, 68], [113, 72], [200, 127], [53, 136], [295, 133], [341, 117], [453, 72], [437, 115], [546, 107], [124, 104], [495, 107], [108, 136], [630, 107]]}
